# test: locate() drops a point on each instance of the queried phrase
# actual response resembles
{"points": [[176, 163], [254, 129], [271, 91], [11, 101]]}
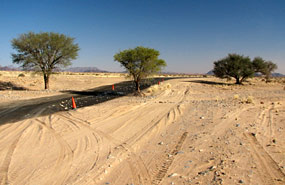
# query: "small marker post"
{"points": [[158, 82], [73, 103], [113, 87]]}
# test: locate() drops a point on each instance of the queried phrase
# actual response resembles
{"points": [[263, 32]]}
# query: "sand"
{"points": [[186, 131]]}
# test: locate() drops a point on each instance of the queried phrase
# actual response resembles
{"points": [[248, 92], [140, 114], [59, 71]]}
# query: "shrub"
{"points": [[236, 96], [21, 75], [249, 99]]}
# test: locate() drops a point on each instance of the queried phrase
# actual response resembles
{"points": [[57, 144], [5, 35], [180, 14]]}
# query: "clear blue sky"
{"points": [[190, 34]]}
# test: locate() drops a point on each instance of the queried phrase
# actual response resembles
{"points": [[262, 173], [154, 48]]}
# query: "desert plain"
{"points": [[187, 130]]}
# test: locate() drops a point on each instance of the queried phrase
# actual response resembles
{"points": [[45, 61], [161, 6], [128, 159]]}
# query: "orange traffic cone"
{"points": [[113, 87], [73, 103]]}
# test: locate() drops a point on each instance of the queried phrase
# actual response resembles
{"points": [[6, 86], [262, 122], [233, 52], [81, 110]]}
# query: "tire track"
{"points": [[165, 166], [135, 162], [139, 169], [4, 169], [71, 119], [66, 153], [267, 167]]}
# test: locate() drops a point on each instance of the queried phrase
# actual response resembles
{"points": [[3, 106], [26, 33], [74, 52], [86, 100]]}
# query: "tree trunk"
{"points": [[238, 81], [267, 78], [46, 79], [137, 86]]}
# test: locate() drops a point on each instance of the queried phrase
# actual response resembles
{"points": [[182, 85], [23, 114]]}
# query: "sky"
{"points": [[190, 34]]}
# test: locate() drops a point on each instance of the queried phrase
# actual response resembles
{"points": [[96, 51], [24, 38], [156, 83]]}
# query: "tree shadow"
{"points": [[24, 109], [10, 86], [209, 82]]}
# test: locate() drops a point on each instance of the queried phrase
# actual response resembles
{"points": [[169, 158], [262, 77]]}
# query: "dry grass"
{"points": [[157, 88], [249, 99]]}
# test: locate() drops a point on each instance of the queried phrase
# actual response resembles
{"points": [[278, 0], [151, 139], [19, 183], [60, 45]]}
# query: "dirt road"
{"points": [[191, 133], [22, 109]]}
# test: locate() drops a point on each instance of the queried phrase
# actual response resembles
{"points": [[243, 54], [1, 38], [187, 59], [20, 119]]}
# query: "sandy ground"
{"points": [[32, 85], [186, 131]]}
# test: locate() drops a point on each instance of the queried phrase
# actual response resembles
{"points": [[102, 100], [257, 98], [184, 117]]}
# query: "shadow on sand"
{"points": [[10, 86], [24, 109], [209, 82]]}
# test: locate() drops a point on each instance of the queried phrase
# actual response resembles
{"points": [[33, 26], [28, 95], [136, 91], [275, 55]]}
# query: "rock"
{"points": [[173, 175], [261, 102], [202, 117], [212, 167], [203, 172], [237, 125], [240, 143], [110, 157], [273, 140], [253, 134], [240, 181], [161, 143]]}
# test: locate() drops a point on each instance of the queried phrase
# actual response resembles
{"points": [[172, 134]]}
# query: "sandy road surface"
{"points": [[191, 133]]}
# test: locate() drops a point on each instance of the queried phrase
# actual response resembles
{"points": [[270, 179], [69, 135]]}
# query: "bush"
{"points": [[21, 75], [249, 99], [236, 96]]}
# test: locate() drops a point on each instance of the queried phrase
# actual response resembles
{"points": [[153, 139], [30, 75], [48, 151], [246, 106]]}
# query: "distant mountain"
{"points": [[84, 69], [71, 69], [273, 74], [277, 75], [210, 73], [10, 68]]}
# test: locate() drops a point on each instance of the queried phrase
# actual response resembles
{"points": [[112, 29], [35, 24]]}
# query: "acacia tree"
{"points": [[270, 67], [140, 62], [44, 52], [234, 65], [264, 67], [259, 65]]}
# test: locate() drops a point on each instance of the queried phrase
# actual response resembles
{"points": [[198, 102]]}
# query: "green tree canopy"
{"points": [[140, 62], [44, 51], [259, 64], [264, 67], [234, 65]]}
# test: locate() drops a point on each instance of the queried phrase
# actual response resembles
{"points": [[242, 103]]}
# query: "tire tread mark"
{"points": [[271, 173], [165, 166]]}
